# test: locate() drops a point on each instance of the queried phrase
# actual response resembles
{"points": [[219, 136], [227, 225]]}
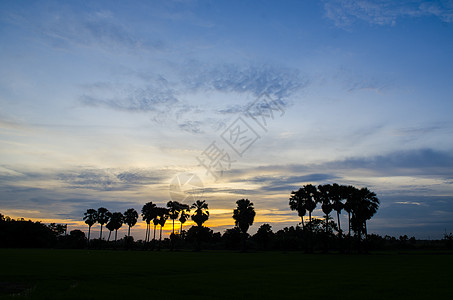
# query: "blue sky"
{"points": [[104, 103]]}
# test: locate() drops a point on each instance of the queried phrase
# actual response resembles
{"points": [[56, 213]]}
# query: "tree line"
{"points": [[320, 234]]}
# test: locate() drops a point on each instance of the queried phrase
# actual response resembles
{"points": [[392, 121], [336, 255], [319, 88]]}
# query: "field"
{"points": [[95, 274]]}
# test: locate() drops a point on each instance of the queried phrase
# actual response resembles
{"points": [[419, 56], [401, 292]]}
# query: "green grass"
{"points": [[84, 274]]}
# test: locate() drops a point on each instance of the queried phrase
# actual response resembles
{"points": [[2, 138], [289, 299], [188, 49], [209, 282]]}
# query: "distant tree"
{"points": [[130, 218], [110, 226], [337, 196], [103, 218], [57, 229], [155, 222], [148, 214], [117, 219], [174, 208], [348, 193], [163, 215], [309, 197], [185, 214], [90, 218], [264, 235], [296, 202], [325, 196], [365, 205], [243, 216], [201, 213]]}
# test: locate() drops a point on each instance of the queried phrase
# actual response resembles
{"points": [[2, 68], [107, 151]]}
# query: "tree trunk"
{"points": [[180, 232], [89, 231], [173, 226], [129, 232], [116, 234], [338, 220], [154, 237], [303, 225], [100, 235], [160, 237], [108, 239]]}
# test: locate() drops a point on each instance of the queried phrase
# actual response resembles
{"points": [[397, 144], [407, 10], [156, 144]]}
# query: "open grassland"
{"points": [[95, 274]]}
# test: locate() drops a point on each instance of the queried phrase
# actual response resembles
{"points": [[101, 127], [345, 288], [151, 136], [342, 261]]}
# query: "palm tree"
{"points": [[110, 226], [155, 222], [365, 206], [337, 194], [103, 217], [185, 214], [174, 208], [201, 213], [325, 196], [163, 215], [148, 214], [296, 203], [348, 193], [130, 218], [90, 217], [117, 220], [243, 216]]}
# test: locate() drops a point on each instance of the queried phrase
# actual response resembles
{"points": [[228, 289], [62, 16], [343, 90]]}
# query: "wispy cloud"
{"points": [[279, 82], [385, 12]]}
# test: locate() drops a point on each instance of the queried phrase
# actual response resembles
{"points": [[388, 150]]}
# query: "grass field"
{"points": [[85, 274]]}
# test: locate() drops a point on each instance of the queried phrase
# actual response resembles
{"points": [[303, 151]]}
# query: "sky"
{"points": [[118, 103]]}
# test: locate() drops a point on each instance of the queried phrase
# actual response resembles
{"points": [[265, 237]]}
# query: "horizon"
{"points": [[109, 104]]}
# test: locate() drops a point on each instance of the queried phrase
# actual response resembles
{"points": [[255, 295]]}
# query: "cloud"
{"points": [[428, 162], [111, 179], [385, 12], [253, 79]]}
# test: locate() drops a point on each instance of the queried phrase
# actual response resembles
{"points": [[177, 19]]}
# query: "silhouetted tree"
{"points": [[90, 218], [348, 194], [243, 216], [309, 196], [174, 208], [163, 215], [325, 196], [103, 218], [185, 214], [337, 195], [110, 226], [264, 235], [365, 205], [148, 214], [297, 203], [130, 218], [201, 213], [117, 220]]}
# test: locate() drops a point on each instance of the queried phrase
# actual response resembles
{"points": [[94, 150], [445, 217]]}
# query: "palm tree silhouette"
{"points": [[130, 218], [185, 214], [336, 196], [90, 217], [110, 226], [148, 214], [201, 213], [174, 208], [297, 203], [103, 217], [365, 205], [308, 196], [163, 214], [243, 216], [325, 196], [348, 193], [117, 220]]}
